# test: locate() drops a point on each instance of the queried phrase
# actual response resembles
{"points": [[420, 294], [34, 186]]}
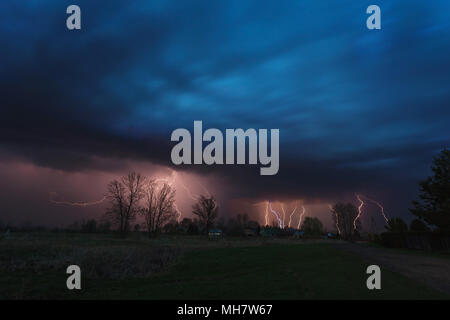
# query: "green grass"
{"points": [[434, 254], [266, 271], [313, 271]]}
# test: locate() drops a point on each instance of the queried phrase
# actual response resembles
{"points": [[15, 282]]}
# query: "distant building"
{"points": [[250, 232], [299, 234], [268, 232], [331, 235], [215, 233]]}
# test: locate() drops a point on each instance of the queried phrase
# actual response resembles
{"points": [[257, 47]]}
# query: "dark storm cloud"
{"points": [[357, 109]]}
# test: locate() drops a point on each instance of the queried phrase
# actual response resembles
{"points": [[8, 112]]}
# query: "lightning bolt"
{"points": [[276, 215], [284, 213], [188, 191], [164, 180], [174, 178], [301, 216], [361, 204], [192, 196], [266, 214], [178, 212], [379, 205], [75, 204], [290, 217], [170, 182], [337, 218]]}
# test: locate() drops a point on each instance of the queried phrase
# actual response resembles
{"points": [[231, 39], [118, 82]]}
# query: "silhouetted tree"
{"points": [[344, 215], [253, 225], [312, 226], [74, 227], [396, 225], [434, 206], [206, 210], [124, 195], [159, 206], [104, 227], [373, 225], [90, 226], [242, 219], [184, 224], [418, 226], [171, 226], [233, 227], [193, 227], [220, 223]]}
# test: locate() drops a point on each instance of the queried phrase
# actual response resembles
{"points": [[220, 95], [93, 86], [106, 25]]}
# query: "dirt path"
{"points": [[432, 271]]}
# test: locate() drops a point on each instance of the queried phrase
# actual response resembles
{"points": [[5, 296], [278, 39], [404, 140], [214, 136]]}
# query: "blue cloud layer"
{"points": [[348, 101]]}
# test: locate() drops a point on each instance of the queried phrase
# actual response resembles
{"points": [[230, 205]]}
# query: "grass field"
{"points": [[33, 266]]}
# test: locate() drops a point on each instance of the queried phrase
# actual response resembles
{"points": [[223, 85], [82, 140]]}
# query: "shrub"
{"points": [[418, 226]]}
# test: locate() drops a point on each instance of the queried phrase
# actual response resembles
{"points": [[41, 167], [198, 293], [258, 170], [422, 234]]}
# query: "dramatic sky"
{"points": [[358, 110]]}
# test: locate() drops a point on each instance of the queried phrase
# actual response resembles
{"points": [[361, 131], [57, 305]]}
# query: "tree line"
{"points": [[136, 195], [432, 209]]}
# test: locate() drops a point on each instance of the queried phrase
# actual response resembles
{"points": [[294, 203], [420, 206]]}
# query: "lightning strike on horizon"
{"points": [[276, 215], [337, 219], [164, 180], [171, 180], [178, 211], [170, 183], [267, 213], [284, 214], [359, 211], [174, 179], [188, 191], [75, 204], [379, 205], [290, 217], [301, 216], [194, 197]]}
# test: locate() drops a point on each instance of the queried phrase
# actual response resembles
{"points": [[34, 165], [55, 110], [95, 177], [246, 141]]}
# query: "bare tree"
{"points": [[344, 216], [124, 195], [206, 210], [159, 206]]}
